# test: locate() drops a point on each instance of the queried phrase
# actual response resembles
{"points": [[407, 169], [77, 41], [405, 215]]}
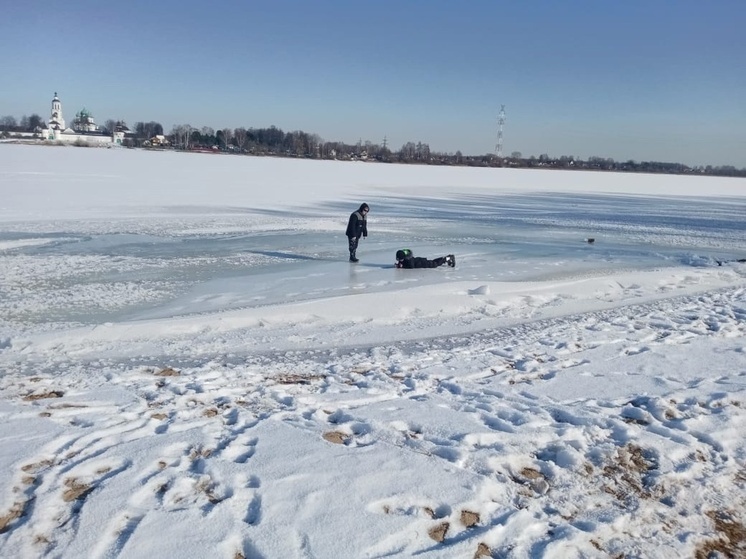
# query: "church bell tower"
{"points": [[56, 120]]}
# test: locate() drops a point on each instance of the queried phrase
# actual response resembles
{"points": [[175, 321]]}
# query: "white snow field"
{"points": [[190, 367]]}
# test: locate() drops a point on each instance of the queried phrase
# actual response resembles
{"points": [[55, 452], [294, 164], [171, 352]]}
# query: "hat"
{"points": [[364, 206], [403, 253]]}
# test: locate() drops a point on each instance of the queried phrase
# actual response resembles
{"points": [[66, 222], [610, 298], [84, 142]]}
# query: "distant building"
{"points": [[56, 122], [158, 140], [84, 122], [84, 128]]}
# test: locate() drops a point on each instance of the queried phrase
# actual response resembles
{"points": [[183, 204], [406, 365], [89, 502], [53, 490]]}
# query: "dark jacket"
{"points": [[357, 226]]}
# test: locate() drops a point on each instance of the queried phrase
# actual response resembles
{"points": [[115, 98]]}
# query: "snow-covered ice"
{"points": [[191, 368]]}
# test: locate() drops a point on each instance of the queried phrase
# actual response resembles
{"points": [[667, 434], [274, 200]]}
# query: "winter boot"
{"points": [[353, 258]]}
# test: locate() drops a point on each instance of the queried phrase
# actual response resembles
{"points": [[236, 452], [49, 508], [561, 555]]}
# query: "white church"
{"points": [[84, 128]]}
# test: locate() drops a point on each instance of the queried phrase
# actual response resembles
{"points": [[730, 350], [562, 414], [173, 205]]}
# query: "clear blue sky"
{"points": [[635, 79]]}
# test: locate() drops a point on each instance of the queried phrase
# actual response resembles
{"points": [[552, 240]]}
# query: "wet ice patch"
{"points": [[10, 245]]}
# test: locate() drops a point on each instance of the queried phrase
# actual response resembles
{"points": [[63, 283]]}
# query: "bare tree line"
{"points": [[274, 141]]}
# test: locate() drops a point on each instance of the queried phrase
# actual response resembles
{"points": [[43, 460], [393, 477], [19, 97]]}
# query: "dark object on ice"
{"points": [[590, 240], [721, 262], [406, 259]]}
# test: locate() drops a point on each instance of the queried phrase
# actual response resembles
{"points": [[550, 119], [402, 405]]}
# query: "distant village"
{"points": [[83, 131]]}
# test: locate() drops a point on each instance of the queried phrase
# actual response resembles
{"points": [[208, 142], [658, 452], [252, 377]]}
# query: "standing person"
{"points": [[357, 226], [406, 259]]}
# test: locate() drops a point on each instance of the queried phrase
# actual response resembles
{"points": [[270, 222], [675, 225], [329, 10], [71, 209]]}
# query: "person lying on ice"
{"points": [[406, 259]]}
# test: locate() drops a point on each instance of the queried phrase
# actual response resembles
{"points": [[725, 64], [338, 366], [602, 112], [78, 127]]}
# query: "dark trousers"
{"points": [[425, 263], [353, 245]]}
